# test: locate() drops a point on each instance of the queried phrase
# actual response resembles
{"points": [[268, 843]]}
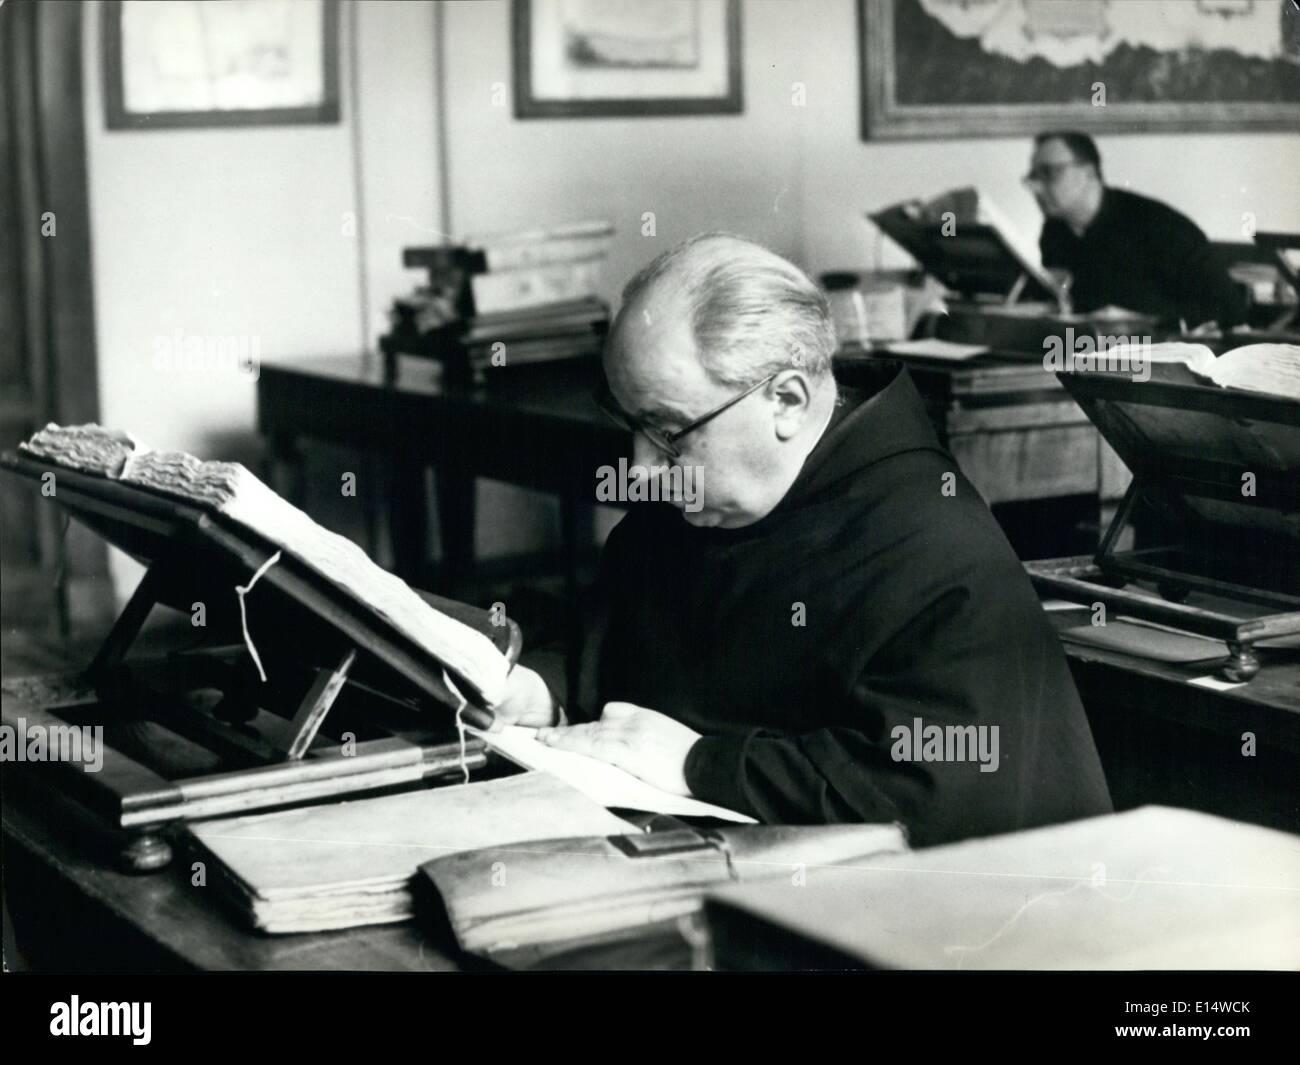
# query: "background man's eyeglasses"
{"points": [[666, 442], [1046, 173]]}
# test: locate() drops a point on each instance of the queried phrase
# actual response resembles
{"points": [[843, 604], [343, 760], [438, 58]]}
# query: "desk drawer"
{"points": [[1024, 464]]}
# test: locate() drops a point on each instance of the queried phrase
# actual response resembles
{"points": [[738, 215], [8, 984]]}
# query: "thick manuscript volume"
{"points": [[231, 490], [350, 863], [565, 891]]}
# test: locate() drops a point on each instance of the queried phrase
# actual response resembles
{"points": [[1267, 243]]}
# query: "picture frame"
{"points": [[279, 64], [1079, 64], [601, 58]]}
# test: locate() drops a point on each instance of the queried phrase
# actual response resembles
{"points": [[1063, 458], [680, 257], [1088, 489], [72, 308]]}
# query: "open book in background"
{"points": [[1270, 368]]}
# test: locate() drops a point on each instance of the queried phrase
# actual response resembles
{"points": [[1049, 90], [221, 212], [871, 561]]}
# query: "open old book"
{"points": [[228, 489], [1269, 368]]}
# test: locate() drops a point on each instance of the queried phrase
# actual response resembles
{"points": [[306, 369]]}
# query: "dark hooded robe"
{"points": [[879, 594]]}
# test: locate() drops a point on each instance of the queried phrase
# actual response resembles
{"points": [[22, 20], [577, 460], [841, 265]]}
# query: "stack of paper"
{"points": [[351, 863]]}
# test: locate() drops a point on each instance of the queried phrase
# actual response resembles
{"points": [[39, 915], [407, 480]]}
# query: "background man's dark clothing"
{"points": [[1140, 254], [913, 606]]}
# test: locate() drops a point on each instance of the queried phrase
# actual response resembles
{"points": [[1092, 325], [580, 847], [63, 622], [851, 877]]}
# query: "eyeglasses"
{"points": [[666, 442], [1046, 173]]}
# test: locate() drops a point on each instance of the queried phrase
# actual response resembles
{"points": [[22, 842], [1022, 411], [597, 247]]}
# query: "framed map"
{"points": [[941, 68], [626, 57], [190, 63]]}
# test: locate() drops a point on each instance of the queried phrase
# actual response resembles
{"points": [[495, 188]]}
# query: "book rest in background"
{"points": [[1220, 466]]}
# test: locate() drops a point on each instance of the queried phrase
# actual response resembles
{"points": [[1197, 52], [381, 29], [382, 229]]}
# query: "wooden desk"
{"points": [[1164, 740], [72, 911], [539, 431], [1011, 426]]}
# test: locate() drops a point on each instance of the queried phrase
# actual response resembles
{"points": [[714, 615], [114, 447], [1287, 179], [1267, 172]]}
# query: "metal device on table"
{"points": [[1220, 469], [349, 704]]}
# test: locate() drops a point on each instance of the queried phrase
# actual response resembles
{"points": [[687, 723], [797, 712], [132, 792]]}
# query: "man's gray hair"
{"points": [[752, 312]]}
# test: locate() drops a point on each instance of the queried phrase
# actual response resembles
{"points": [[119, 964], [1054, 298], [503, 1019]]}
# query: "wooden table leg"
{"points": [[577, 532], [408, 521], [455, 489], [284, 468]]}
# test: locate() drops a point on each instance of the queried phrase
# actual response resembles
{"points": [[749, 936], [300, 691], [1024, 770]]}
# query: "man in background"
{"points": [[1122, 249]]}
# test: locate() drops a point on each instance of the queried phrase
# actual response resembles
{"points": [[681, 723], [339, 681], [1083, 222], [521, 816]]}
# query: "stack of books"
{"points": [[507, 299], [566, 329]]}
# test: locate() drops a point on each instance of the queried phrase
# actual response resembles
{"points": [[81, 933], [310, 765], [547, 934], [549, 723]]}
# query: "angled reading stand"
{"points": [[974, 258], [1278, 245], [350, 703], [1222, 469]]}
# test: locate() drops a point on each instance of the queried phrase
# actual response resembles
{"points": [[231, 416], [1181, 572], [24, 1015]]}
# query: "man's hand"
{"points": [[647, 744], [528, 702]]}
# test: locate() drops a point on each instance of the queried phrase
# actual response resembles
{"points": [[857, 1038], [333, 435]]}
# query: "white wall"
{"points": [[798, 178], [278, 233], [242, 231]]}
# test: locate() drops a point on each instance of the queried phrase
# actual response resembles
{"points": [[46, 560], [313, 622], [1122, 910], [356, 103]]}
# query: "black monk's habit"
{"points": [[1141, 254], [867, 599]]}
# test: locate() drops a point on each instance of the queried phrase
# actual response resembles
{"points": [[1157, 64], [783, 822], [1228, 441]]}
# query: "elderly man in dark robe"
{"points": [[837, 630]]}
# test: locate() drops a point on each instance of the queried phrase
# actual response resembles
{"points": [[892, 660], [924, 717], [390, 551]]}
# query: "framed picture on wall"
{"points": [[187, 63], [972, 68], [626, 57]]}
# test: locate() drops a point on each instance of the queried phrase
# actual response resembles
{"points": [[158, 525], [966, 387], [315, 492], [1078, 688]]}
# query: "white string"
{"points": [[460, 722], [242, 590]]}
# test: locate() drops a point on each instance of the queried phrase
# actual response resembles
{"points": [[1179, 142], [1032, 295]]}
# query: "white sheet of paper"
{"points": [[1051, 605], [937, 349], [1215, 684], [605, 783]]}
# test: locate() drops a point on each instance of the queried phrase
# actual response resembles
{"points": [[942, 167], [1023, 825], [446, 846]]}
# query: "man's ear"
{"points": [[793, 396]]}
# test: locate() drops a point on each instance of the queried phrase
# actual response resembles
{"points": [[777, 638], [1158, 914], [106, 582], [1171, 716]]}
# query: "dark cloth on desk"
{"points": [[914, 607], [1143, 255]]}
